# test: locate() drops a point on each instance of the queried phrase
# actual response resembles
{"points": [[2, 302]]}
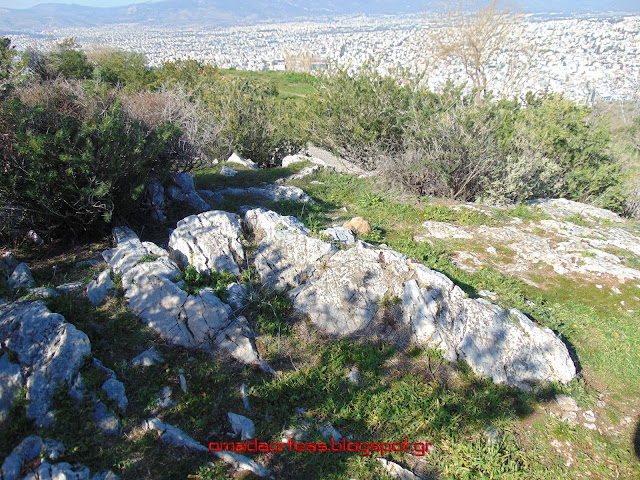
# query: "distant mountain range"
{"points": [[217, 13]]}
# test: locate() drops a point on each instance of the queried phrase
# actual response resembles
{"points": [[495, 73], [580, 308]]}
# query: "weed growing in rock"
{"points": [[195, 280], [148, 258]]}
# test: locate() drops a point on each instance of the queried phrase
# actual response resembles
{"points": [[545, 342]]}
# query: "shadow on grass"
{"points": [[636, 440], [389, 405]]}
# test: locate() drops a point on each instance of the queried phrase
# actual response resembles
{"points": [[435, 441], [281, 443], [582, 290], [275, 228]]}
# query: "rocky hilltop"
{"points": [[336, 279]]}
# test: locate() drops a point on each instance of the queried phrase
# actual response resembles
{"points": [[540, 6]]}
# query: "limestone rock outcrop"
{"points": [[49, 352], [275, 193], [200, 321], [209, 241], [286, 254], [341, 292]]}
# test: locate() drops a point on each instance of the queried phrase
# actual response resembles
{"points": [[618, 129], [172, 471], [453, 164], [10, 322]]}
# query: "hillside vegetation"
{"points": [[82, 135], [82, 118]]}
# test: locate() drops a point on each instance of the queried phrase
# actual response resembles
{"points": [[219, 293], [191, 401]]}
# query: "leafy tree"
{"points": [[7, 53], [69, 62]]}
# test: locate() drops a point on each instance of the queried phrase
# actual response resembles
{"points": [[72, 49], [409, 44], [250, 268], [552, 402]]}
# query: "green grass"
{"points": [[411, 394], [628, 258], [600, 328], [211, 179], [523, 212], [195, 280], [579, 220], [383, 209], [287, 84], [391, 404], [388, 405]]}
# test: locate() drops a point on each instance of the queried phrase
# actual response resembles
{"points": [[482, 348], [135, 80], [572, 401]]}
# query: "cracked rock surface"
{"points": [[341, 292], [199, 321], [564, 246], [49, 352], [209, 241]]}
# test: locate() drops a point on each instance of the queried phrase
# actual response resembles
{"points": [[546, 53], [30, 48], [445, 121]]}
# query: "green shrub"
{"points": [[521, 178], [70, 63], [562, 132], [246, 116], [359, 117], [465, 146], [253, 120], [7, 52], [271, 310], [124, 68], [75, 160]]}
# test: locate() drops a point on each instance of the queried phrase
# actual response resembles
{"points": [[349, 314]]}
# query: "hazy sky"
{"points": [[93, 3], [546, 4]]}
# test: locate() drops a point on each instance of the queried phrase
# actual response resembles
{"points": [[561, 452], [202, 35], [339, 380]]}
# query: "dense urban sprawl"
{"points": [[585, 58]]}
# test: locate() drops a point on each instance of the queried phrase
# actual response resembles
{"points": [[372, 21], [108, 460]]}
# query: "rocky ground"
{"points": [[246, 294]]}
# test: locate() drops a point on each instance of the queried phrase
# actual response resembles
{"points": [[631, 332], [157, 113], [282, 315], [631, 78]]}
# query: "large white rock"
{"points": [[209, 241], [199, 321], [237, 159], [503, 345], [128, 252], [285, 259], [286, 254], [66, 471], [561, 208], [50, 351], [299, 157], [305, 172], [568, 248], [342, 295], [262, 222], [276, 193]]}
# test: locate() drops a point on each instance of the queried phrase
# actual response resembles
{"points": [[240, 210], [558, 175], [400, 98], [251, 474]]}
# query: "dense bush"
{"points": [[466, 146], [7, 53], [75, 159], [360, 117], [118, 67], [248, 118], [200, 139], [81, 134], [69, 62]]}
